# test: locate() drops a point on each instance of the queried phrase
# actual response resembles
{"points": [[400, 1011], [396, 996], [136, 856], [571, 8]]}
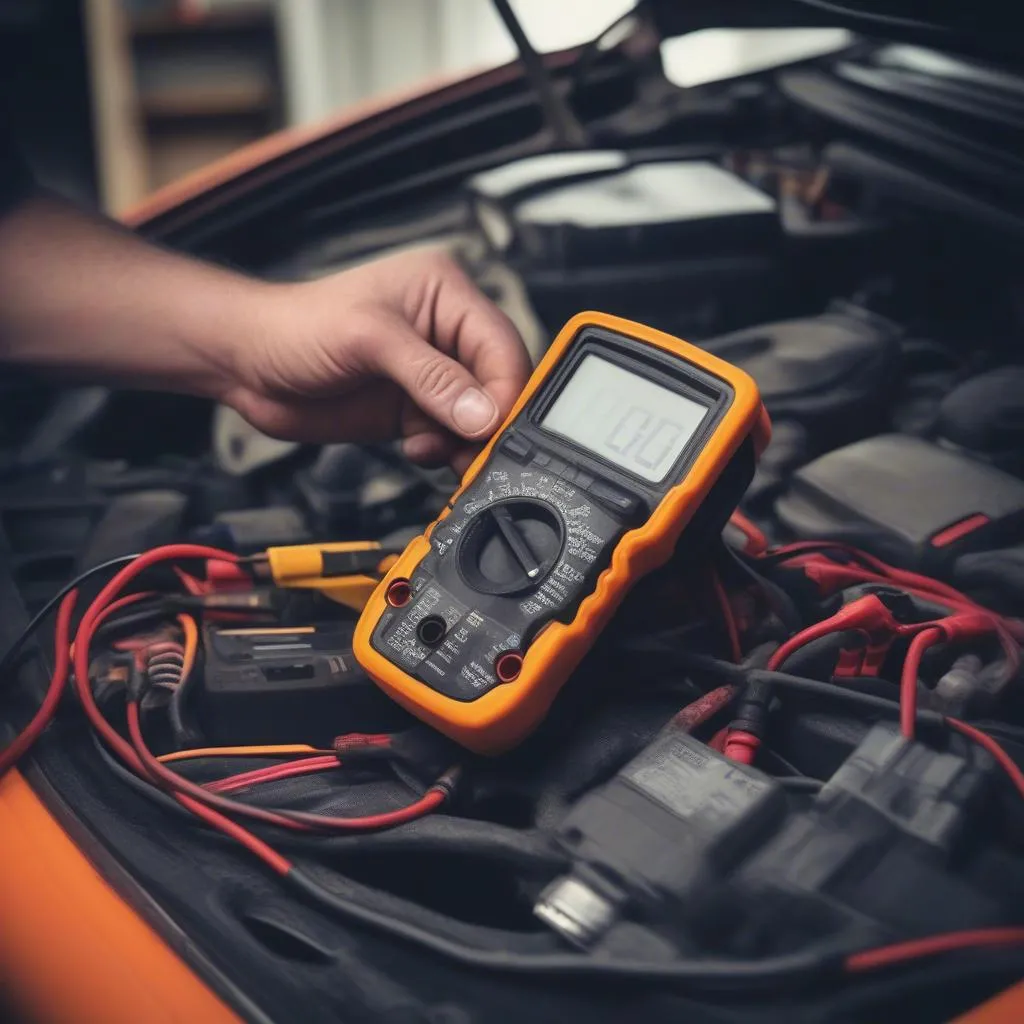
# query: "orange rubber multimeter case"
{"points": [[623, 437]]}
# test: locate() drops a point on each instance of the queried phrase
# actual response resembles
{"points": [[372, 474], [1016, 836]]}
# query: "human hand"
{"points": [[404, 347]]}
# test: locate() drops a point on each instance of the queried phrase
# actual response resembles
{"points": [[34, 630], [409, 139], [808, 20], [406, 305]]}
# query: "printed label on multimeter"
{"points": [[591, 460]]}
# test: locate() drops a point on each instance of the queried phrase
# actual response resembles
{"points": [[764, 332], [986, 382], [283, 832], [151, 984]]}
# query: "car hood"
{"points": [[986, 29]]}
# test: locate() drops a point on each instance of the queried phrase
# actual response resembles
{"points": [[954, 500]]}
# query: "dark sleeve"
{"points": [[15, 178]]}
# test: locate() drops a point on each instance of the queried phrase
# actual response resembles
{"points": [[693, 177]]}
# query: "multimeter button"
{"points": [[542, 459], [584, 479], [517, 448], [613, 497]]}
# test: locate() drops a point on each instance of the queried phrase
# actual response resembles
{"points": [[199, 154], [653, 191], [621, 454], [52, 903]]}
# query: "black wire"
{"points": [[184, 733], [866, 700], [737, 674], [7, 661], [782, 604], [422, 835], [140, 614], [810, 966], [773, 558], [140, 785], [799, 783], [999, 730]]}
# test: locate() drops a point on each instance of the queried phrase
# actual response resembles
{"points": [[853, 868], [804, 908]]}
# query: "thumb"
{"points": [[443, 388]]}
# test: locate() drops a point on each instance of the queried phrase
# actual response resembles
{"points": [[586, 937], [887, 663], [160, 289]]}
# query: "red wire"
{"points": [[160, 774], [294, 820], [123, 602], [728, 617], [13, 753], [362, 739], [949, 942], [798, 640], [266, 853], [908, 679], [911, 579], [915, 583], [189, 582], [142, 759], [272, 773], [703, 708], [128, 753], [137, 755], [92, 618], [994, 748], [867, 614], [757, 542], [23, 742]]}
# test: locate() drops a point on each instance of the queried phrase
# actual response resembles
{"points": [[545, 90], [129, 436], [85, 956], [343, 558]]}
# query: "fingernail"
{"points": [[474, 410]]}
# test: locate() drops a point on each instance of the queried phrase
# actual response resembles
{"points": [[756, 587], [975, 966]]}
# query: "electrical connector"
{"points": [[676, 816], [747, 728]]}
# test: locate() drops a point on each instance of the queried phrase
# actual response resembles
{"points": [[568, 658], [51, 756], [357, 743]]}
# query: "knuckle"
{"points": [[438, 263], [436, 377]]}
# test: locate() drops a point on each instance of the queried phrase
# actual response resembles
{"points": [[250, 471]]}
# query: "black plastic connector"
{"points": [[927, 794], [752, 708], [877, 855], [684, 851], [675, 817]]}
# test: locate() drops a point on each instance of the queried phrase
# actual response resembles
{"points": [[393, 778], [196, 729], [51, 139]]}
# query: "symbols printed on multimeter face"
{"points": [[516, 534]]}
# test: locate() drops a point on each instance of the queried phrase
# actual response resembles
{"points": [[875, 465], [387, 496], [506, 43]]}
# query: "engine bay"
{"points": [[871, 287]]}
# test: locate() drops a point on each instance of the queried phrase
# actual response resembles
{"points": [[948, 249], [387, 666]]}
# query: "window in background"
{"points": [[338, 52]]}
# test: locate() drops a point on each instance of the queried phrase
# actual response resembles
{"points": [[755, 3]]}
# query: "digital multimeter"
{"points": [[622, 437]]}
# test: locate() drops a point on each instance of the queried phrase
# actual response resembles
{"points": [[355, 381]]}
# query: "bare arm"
{"points": [[403, 347], [82, 297]]}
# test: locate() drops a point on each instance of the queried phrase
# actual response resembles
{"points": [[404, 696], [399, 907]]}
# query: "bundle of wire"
{"points": [[211, 805]]}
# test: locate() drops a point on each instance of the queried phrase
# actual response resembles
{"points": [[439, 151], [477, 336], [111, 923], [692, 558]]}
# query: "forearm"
{"points": [[83, 298]]}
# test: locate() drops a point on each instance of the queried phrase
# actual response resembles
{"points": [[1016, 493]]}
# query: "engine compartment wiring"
{"points": [[740, 688]]}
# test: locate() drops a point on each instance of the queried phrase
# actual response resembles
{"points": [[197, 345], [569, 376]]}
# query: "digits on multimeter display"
{"points": [[624, 418]]}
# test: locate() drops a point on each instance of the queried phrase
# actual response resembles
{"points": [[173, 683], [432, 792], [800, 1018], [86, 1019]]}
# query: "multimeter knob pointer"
{"points": [[621, 436], [510, 546]]}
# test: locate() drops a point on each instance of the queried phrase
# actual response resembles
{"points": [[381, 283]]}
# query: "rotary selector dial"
{"points": [[510, 546]]}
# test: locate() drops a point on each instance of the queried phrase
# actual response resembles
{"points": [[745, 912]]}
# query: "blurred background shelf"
{"points": [[203, 101], [177, 85], [179, 20]]}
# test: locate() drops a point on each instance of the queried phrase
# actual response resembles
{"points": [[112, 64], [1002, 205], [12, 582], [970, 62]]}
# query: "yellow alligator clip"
{"points": [[347, 572]]}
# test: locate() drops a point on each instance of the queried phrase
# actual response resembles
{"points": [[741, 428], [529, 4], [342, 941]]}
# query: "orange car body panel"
{"points": [[71, 949]]}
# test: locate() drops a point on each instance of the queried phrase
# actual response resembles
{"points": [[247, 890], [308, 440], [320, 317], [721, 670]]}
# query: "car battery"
{"points": [[670, 242]]}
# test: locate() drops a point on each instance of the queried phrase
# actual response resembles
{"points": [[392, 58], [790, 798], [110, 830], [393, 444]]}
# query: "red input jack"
{"points": [[399, 593], [508, 665]]}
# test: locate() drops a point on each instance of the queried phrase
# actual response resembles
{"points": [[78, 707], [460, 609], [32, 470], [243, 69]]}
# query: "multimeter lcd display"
{"points": [[624, 418]]}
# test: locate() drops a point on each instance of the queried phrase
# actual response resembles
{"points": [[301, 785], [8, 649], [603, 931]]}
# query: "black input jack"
{"points": [[431, 630]]}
